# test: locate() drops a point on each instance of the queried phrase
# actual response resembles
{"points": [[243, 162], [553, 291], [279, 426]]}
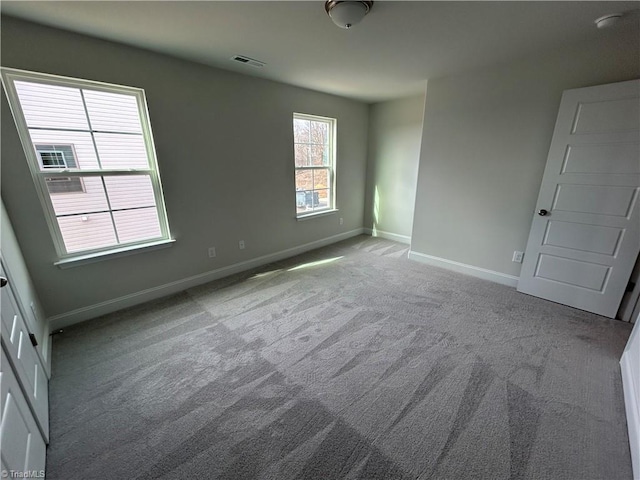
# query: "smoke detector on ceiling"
{"points": [[248, 61]]}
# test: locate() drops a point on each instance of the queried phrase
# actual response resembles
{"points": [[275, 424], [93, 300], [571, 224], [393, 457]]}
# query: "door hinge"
{"points": [[631, 286], [34, 342]]}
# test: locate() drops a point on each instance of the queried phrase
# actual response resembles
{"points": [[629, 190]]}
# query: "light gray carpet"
{"points": [[362, 366]]}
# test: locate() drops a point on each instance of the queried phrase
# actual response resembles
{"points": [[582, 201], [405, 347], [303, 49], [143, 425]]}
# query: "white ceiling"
{"points": [[391, 53]]}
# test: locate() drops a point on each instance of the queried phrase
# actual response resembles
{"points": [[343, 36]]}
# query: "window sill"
{"points": [[115, 253], [309, 216]]}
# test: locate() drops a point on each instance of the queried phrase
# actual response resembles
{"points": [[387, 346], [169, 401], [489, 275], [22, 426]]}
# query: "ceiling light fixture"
{"points": [[347, 14], [608, 20]]}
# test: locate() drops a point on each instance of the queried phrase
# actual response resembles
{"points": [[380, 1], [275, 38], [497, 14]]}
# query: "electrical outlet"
{"points": [[517, 256], [341, 220], [212, 252], [241, 244]]}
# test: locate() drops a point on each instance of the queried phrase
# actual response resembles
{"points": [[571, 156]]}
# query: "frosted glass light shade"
{"points": [[608, 20], [347, 14]]}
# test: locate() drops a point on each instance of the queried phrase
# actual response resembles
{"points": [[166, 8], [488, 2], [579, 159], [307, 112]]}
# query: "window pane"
{"points": [[301, 129], [130, 191], [86, 232], [119, 151], [319, 155], [51, 106], [80, 142], [304, 180], [322, 199], [113, 112], [138, 224], [304, 201], [75, 126], [92, 199], [321, 178], [320, 133], [314, 189], [302, 155]]}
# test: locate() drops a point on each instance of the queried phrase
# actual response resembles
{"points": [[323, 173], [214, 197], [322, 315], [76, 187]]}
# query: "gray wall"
{"points": [[485, 143], [395, 133], [224, 145]]}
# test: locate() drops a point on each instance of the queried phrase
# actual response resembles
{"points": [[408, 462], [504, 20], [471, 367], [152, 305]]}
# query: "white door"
{"points": [[23, 448], [585, 234], [23, 356]]}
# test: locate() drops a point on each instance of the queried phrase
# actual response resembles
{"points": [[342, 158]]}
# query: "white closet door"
{"points": [[23, 356], [23, 448], [585, 234]]}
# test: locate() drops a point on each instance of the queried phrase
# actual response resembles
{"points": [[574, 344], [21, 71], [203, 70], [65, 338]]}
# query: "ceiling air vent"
{"points": [[248, 61]]}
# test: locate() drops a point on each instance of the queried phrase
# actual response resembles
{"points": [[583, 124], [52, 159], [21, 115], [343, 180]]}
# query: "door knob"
{"points": [[542, 212], [3, 281]]}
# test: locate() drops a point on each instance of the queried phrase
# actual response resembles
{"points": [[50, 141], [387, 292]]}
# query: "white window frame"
{"points": [[9, 76], [333, 128]]}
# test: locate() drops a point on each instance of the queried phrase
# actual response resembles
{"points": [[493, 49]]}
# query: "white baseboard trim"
{"points": [[374, 232], [92, 311], [630, 368], [497, 277]]}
